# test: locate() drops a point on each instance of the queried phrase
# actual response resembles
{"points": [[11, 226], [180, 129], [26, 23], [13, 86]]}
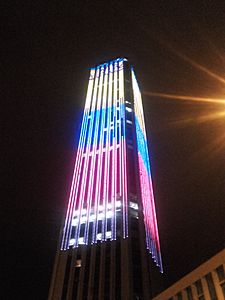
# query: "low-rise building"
{"points": [[207, 282]]}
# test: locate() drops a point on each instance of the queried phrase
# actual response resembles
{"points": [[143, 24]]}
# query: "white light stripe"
{"points": [[103, 150], [123, 187], [78, 180], [81, 199], [94, 156], [72, 200], [101, 182], [124, 155], [108, 198], [104, 222], [102, 214], [115, 97], [77, 167], [90, 90], [99, 169], [95, 108], [101, 132], [109, 154], [120, 144]]}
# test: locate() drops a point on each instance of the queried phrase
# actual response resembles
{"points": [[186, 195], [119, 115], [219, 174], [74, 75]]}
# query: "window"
{"points": [[179, 296], [189, 293], [199, 288], [223, 288], [118, 270], [211, 287], [96, 271], [66, 276], [129, 109], [220, 273], [76, 276], [78, 263]]}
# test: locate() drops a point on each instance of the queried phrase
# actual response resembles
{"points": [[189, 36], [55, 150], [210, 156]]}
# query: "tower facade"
{"points": [[110, 229]]}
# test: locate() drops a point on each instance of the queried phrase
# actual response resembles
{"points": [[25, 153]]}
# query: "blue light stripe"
{"points": [[95, 115], [142, 146]]}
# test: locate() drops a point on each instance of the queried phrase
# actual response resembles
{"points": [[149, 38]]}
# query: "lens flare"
{"points": [[199, 66], [193, 63], [211, 111], [186, 98]]}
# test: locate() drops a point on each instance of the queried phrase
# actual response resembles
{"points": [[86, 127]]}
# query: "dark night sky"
{"points": [[176, 48]]}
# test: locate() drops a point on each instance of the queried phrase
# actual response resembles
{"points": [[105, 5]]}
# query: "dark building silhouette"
{"points": [[110, 225]]}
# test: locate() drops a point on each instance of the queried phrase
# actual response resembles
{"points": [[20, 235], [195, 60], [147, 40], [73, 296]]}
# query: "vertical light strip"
{"points": [[120, 148], [114, 126], [123, 178], [109, 154], [98, 183], [72, 199], [105, 107], [123, 145], [102, 147], [112, 154], [100, 170], [90, 183], [88, 147], [124, 155], [152, 237], [120, 124], [121, 105]]}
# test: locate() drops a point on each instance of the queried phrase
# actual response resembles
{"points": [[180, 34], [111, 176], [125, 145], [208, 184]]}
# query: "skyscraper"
{"points": [[110, 225]]}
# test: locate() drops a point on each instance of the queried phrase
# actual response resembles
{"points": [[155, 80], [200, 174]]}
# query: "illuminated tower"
{"points": [[110, 225]]}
